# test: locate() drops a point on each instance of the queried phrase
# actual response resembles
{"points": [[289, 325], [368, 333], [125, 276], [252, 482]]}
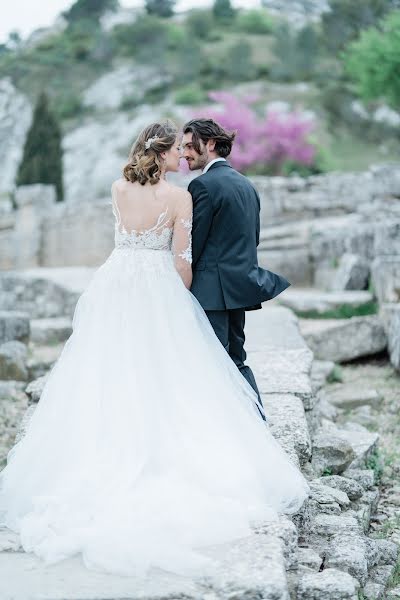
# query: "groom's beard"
{"points": [[199, 162]]}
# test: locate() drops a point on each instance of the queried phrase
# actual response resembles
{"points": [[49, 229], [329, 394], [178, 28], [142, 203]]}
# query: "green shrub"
{"points": [[191, 94], [347, 18], [176, 36], [141, 37], [68, 106], [223, 11], [200, 24], [89, 9], [254, 21], [160, 8], [373, 61], [296, 53], [239, 65]]}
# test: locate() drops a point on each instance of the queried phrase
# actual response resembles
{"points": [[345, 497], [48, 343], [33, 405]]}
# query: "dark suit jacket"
{"points": [[226, 230]]}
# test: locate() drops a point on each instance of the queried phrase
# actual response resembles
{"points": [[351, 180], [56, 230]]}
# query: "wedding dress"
{"points": [[146, 445]]}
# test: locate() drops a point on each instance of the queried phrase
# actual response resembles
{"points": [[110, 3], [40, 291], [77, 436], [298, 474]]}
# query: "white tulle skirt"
{"points": [[146, 445]]}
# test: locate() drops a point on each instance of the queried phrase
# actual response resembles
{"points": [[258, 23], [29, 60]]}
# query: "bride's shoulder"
{"points": [[177, 192], [119, 184]]}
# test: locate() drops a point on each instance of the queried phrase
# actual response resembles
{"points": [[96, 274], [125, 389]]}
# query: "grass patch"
{"points": [[395, 579], [336, 375], [342, 312], [375, 462], [326, 472], [386, 530]]}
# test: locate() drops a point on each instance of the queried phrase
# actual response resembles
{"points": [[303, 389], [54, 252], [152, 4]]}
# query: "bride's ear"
{"points": [[163, 155]]}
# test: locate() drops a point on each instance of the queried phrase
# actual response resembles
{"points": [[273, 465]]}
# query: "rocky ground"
{"points": [[380, 413], [338, 423]]}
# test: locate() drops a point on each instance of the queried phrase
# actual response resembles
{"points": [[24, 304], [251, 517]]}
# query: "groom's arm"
{"points": [[202, 218]]}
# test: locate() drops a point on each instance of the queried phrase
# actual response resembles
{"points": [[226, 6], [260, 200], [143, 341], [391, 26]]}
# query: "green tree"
{"points": [[346, 18], [296, 53], [223, 10], [42, 157], [89, 9], [161, 8], [199, 23], [240, 67], [373, 61]]}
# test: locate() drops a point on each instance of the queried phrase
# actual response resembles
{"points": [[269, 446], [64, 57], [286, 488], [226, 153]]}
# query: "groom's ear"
{"points": [[211, 145]]}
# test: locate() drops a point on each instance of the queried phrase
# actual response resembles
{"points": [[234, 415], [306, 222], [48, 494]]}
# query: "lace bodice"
{"points": [[172, 229], [158, 237]]}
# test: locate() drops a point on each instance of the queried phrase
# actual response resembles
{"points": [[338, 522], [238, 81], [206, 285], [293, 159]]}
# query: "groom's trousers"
{"points": [[229, 329]]}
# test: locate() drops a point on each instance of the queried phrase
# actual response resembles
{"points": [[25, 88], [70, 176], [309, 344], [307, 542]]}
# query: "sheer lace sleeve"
{"points": [[182, 239]]}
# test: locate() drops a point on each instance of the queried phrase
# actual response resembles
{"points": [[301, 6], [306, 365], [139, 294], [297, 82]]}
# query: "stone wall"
{"points": [[307, 224]]}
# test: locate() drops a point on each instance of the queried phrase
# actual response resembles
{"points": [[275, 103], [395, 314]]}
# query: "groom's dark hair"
{"points": [[208, 129]]}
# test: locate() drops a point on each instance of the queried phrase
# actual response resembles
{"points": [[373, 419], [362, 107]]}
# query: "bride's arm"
{"points": [[182, 238]]}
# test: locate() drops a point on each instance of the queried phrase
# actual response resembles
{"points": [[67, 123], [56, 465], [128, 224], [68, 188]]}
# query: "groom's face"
{"points": [[194, 159]]}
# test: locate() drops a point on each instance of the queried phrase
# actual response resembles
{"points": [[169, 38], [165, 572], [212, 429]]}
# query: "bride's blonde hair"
{"points": [[145, 162]]}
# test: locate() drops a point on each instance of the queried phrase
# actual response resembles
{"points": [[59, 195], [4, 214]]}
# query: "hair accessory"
{"points": [[149, 142]]}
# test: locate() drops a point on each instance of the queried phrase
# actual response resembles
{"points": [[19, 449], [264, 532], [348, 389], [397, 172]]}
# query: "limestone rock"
{"points": [[381, 552], [324, 494], [352, 273], [381, 574], [342, 340], [43, 293], [394, 339], [350, 487], [362, 441], [373, 591], [386, 278], [9, 541], [319, 302], [288, 424], [15, 119], [42, 359], [50, 331], [284, 372], [35, 388], [331, 452], [326, 410], [365, 477], [346, 396], [348, 552], [324, 525], [13, 356], [387, 238], [13, 326], [320, 371], [307, 557], [24, 423], [329, 584]]}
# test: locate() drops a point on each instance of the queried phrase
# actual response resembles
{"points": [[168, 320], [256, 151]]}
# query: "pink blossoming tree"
{"points": [[269, 141]]}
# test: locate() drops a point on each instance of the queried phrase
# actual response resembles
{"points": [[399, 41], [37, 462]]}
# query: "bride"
{"points": [[147, 443]]}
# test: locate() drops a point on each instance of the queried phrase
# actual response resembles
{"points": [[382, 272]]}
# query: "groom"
{"points": [[227, 280]]}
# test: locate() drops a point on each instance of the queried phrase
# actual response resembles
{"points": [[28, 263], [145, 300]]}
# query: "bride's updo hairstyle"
{"points": [[145, 162]]}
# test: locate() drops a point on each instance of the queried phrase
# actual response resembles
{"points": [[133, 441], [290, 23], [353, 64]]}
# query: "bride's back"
{"points": [[140, 208]]}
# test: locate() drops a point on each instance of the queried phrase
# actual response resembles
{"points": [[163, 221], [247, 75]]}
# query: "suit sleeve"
{"points": [[202, 218], [258, 220]]}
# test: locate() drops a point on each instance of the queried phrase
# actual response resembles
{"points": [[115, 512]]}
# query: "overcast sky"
{"points": [[27, 15]]}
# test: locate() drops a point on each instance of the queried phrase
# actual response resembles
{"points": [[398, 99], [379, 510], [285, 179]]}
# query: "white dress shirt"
{"points": [[208, 165]]}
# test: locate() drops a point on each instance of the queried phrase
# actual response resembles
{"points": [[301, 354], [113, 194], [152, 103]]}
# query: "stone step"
{"points": [[44, 292], [14, 325], [252, 567], [351, 396], [50, 331], [319, 302], [342, 340]]}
